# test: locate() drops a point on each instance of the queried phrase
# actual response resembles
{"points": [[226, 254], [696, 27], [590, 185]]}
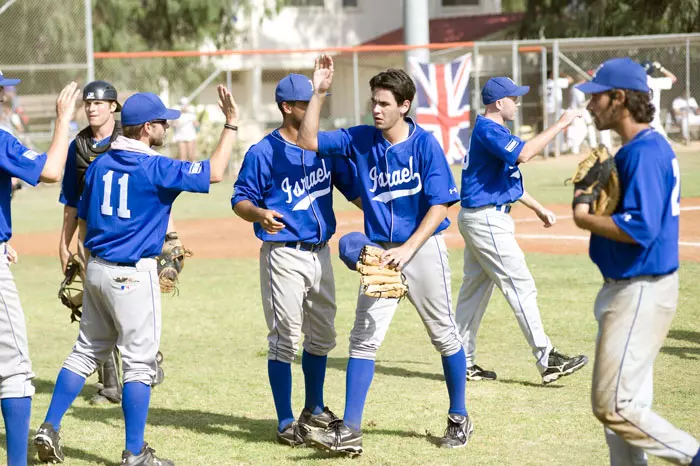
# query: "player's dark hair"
{"points": [[398, 82], [638, 104], [133, 132]]}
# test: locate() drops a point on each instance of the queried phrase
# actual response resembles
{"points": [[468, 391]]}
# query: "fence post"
{"points": [[356, 86], [557, 102], [476, 99], [515, 57], [543, 83], [89, 46], [687, 88]]}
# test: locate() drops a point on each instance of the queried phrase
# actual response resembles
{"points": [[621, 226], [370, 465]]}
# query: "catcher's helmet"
{"points": [[101, 90], [648, 67]]}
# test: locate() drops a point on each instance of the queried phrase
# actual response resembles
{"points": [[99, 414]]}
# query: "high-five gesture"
{"points": [[227, 105], [65, 103], [323, 74]]}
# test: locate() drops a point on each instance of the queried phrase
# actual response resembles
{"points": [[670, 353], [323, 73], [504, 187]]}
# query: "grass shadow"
{"points": [[71, 453], [46, 387], [381, 367], [682, 352], [527, 383], [690, 336]]}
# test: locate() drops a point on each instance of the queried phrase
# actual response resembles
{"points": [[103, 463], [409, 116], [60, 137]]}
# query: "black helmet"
{"points": [[648, 66], [101, 90]]}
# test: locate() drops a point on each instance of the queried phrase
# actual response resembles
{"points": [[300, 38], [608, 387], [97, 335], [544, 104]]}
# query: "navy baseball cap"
{"points": [[146, 106], [8, 81], [294, 87], [617, 73], [500, 87]]}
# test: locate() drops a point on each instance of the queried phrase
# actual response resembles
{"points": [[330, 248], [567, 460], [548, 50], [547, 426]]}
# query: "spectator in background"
{"points": [[656, 85], [581, 127], [185, 132], [682, 107], [554, 94]]}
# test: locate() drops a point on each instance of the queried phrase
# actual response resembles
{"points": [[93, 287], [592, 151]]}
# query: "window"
{"points": [[460, 2], [350, 3], [304, 2]]}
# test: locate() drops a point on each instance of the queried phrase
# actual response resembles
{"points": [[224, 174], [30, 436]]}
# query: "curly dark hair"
{"points": [[398, 82], [132, 132], [639, 105]]}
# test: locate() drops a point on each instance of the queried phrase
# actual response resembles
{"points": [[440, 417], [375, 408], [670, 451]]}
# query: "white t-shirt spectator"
{"points": [[554, 87], [681, 104]]}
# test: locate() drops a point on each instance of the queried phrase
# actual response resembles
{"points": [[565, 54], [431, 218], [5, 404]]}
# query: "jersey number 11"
{"points": [[106, 209]]}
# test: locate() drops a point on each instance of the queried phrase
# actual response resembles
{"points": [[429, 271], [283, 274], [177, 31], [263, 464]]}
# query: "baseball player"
{"points": [[16, 374], [581, 127], [123, 215], [636, 250], [100, 99], [656, 85], [491, 183], [291, 206], [406, 187]]}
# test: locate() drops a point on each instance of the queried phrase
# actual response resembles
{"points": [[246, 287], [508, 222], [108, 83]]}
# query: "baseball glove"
{"points": [[379, 281], [596, 182], [171, 261], [71, 291]]}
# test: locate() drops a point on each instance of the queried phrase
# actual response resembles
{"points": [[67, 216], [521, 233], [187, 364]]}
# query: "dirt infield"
{"points": [[232, 237]]}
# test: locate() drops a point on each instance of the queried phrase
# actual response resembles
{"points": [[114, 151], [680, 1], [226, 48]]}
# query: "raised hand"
{"points": [[568, 117], [65, 102], [323, 74], [227, 105]]}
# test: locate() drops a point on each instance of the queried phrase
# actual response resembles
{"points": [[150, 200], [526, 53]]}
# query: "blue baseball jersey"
{"points": [[70, 194], [20, 162], [298, 184], [127, 200], [490, 174], [648, 211], [398, 183]]}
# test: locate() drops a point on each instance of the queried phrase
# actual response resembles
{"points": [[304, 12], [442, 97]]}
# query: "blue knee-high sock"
{"points": [[136, 396], [357, 382], [68, 386], [455, 369], [314, 368], [16, 412], [280, 374], [696, 459]]}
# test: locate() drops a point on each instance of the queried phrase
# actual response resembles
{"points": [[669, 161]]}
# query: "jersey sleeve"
{"points": [[175, 176], [500, 143], [438, 183], [345, 178], [338, 142], [662, 84], [253, 179], [644, 199], [69, 185], [20, 161], [84, 200]]}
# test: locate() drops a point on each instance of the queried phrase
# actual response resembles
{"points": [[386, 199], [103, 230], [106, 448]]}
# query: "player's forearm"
{"points": [[308, 131], [57, 153], [435, 215], [600, 225], [530, 202], [220, 158], [83, 252], [70, 225], [537, 144], [248, 211], [171, 224], [357, 202]]}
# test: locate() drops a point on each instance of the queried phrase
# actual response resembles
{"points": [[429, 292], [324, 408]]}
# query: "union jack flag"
{"points": [[442, 104]]}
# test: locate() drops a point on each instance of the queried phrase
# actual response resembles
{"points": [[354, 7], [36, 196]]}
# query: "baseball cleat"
{"points": [[459, 430], [291, 435], [308, 421], [477, 373], [147, 457], [560, 365], [336, 438], [48, 444]]}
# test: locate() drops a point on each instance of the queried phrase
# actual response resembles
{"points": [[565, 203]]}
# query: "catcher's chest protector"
{"points": [[86, 152]]}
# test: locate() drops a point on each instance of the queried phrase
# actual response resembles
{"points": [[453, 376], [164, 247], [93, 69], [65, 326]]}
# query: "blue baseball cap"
{"points": [[294, 87], [617, 73], [8, 81], [500, 87], [146, 106]]}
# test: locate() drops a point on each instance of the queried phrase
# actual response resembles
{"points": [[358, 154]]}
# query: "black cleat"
{"points": [[48, 444], [291, 435], [308, 421], [337, 437], [477, 373], [560, 365], [146, 457], [459, 429]]}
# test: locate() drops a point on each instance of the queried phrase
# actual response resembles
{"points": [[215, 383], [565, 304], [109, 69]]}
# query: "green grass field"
{"points": [[215, 406]]}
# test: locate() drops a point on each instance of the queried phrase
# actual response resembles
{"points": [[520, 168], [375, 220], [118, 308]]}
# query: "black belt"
{"points": [[505, 208], [304, 246], [118, 264], [613, 281]]}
